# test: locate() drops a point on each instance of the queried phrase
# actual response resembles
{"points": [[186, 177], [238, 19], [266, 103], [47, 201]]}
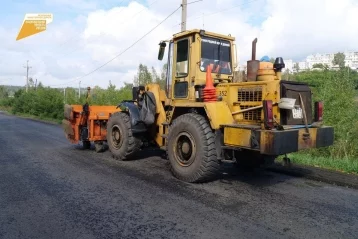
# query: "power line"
{"points": [[122, 52], [60, 45], [101, 33], [194, 2], [135, 14]]}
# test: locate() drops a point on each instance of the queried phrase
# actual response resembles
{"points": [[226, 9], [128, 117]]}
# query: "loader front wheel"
{"points": [[121, 142], [191, 149]]}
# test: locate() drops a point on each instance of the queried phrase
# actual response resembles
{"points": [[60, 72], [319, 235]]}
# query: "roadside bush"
{"points": [[49, 102], [6, 102], [45, 102], [337, 91]]}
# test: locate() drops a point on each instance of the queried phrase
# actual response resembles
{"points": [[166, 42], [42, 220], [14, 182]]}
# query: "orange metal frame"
{"points": [[98, 115]]}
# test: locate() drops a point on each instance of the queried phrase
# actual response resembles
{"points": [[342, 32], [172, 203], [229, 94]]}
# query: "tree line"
{"points": [[337, 89]]}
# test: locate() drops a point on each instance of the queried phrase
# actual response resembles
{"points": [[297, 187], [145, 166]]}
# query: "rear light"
{"points": [[268, 114], [318, 111]]}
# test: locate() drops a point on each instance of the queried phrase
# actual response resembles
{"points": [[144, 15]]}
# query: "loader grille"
{"points": [[252, 114], [250, 94]]}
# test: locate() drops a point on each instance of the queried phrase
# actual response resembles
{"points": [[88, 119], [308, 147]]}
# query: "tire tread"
{"points": [[133, 142], [209, 164]]}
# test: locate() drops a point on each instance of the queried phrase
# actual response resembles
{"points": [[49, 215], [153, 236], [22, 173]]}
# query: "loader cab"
{"points": [[189, 54]]}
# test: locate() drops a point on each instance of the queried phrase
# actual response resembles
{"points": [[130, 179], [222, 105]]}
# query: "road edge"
{"points": [[314, 173], [29, 118], [317, 174]]}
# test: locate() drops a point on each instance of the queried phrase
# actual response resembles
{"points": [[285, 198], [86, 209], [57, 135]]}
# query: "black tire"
{"points": [[198, 161], [86, 144], [127, 145]]}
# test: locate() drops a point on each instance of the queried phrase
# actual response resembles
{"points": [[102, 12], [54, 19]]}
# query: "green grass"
{"points": [[28, 116], [347, 165], [5, 108]]}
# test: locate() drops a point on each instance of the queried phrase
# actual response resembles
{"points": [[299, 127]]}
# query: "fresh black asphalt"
{"points": [[52, 189]]}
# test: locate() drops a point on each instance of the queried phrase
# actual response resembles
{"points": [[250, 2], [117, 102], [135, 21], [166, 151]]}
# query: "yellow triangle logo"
{"points": [[31, 27]]}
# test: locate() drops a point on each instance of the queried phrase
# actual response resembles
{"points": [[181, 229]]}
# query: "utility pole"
{"points": [[183, 15], [79, 90], [27, 74], [64, 95], [348, 71], [36, 85], [203, 21]]}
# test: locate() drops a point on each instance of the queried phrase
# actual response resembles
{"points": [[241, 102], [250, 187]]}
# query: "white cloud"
{"points": [[291, 29], [78, 4]]}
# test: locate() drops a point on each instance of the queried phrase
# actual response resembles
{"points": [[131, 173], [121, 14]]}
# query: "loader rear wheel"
{"points": [[191, 149], [121, 142]]}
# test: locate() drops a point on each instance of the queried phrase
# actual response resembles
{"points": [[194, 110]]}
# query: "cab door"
{"points": [[181, 69]]}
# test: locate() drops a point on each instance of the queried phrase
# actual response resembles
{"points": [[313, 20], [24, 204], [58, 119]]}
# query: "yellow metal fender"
{"points": [[218, 113]]}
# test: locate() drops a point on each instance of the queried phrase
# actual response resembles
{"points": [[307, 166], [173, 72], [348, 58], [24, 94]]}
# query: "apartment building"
{"points": [[288, 65], [351, 60], [325, 59], [302, 65]]}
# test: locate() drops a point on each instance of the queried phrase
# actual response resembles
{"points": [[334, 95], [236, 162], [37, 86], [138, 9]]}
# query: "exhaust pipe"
{"points": [[253, 65], [253, 55]]}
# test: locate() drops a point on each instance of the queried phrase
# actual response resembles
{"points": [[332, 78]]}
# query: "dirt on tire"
{"points": [[128, 144], [205, 165]]}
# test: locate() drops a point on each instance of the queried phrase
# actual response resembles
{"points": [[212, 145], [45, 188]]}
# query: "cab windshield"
{"points": [[217, 53]]}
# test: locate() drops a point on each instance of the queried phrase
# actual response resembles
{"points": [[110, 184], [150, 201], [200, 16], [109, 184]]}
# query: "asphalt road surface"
{"points": [[52, 189]]}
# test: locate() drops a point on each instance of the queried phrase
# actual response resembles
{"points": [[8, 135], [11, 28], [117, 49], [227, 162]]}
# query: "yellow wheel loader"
{"points": [[203, 117]]}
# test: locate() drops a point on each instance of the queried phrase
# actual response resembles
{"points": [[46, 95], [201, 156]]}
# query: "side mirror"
{"points": [[162, 46]]}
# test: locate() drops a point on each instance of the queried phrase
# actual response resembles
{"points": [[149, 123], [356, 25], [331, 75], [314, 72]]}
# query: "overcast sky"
{"points": [[85, 34]]}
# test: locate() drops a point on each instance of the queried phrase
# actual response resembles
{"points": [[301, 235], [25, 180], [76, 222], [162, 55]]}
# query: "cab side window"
{"points": [[182, 58], [169, 70]]}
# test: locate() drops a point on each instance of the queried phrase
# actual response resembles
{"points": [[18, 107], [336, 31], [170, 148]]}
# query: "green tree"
{"points": [[40, 85], [272, 60], [155, 75], [143, 76], [339, 59], [163, 76], [3, 93], [318, 65], [286, 74], [296, 66], [31, 82]]}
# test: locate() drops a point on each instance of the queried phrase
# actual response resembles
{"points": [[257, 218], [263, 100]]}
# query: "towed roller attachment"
{"points": [[67, 127], [68, 112]]}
